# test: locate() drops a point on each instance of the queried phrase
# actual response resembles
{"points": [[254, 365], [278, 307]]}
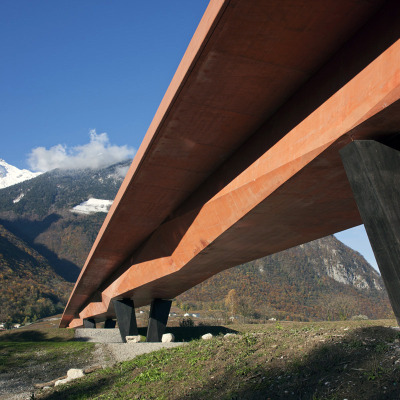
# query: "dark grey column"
{"points": [[89, 323], [158, 319], [125, 312], [109, 324], [373, 170]]}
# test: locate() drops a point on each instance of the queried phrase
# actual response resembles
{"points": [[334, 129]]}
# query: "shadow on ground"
{"points": [[188, 333], [30, 336], [356, 368]]}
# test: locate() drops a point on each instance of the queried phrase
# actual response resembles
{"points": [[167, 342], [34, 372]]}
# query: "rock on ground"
{"points": [[207, 336], [229, 335], [168, 338], [75, 373], [133, 339]]}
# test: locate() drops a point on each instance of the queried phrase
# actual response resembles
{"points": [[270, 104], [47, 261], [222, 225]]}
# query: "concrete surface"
{"points": [[98, 335], [116, 349]]}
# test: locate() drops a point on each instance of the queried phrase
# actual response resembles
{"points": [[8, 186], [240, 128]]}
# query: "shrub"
{"points": [[186, 322]]}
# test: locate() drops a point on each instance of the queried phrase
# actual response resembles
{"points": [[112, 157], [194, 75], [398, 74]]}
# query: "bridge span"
{"points": [[280, 126]]}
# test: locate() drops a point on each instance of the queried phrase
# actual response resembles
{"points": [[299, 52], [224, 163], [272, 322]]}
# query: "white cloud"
{"points": [[122, 171], [97, 153]]}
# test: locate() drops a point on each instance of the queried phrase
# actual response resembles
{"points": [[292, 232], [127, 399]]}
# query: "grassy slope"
{"points": [[324, 360], [40, 353]]}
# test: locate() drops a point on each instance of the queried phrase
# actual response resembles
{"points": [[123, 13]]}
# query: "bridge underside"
{"points": [[242, 158]]}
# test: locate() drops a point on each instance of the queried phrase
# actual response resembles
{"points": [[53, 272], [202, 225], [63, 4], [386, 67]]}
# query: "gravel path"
{"points": [[114, 349], [123, 351], [98, 335]]}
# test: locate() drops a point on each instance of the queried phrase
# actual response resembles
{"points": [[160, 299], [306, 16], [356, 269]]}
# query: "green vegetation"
{"points": [[17, 354], [292, 285], [332, 360], [41, 353], [30, 289]]}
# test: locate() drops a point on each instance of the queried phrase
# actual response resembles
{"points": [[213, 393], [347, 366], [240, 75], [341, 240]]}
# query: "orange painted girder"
{"points": [[245, 60], [288, 164]]}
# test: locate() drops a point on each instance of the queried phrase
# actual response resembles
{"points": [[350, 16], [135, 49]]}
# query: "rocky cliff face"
{"points": [[323, 279], [342, 264]]}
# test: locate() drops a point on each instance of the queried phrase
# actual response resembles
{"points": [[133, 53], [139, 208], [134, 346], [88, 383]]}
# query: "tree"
{"points": [[231, 301]]}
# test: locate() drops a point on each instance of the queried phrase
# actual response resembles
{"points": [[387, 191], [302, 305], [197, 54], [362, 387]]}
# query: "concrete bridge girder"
{"points": [[287, 172], [266, 178]]}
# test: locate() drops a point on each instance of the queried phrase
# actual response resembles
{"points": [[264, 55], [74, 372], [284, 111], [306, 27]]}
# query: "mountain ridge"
{"points": [[44, 219], [10, 175], [293, 284]]}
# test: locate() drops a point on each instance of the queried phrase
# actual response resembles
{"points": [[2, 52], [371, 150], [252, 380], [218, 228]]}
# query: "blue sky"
{"points": [[73, 70], [71, 66]]}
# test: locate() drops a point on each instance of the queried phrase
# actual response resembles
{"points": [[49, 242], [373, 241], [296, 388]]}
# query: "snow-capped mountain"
{"points": [[92, 206], [10, 175]]}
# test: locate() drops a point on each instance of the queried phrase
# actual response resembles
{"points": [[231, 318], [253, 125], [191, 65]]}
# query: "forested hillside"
{"points": [[320, 280], [41, 230], [40, 211], [29, 287], [60, 190]]}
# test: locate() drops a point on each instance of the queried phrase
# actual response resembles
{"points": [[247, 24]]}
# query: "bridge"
{"points": [[280, 126]]}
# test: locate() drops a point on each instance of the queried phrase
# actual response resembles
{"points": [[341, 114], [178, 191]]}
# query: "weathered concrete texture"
{"points": [[373, 170], [89, 323], [125, 312], [242, 157], [158, 318]]}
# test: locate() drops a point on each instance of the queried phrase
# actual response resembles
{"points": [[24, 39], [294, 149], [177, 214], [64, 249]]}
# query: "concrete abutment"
{"points": [[158, 319], [89, 323], [125, 312], [373, 170]]}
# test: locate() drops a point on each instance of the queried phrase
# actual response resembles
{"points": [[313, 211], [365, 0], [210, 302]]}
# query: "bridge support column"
{"points": [[109, 324], [125, 312], [158, 319], [89, 323], [373, 170]]}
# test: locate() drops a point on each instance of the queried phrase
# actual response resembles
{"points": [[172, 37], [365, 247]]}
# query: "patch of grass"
{"points": [[42, 331], [336, 360], [381, 347], [22, 354], [41, 353], [43, 335]]}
